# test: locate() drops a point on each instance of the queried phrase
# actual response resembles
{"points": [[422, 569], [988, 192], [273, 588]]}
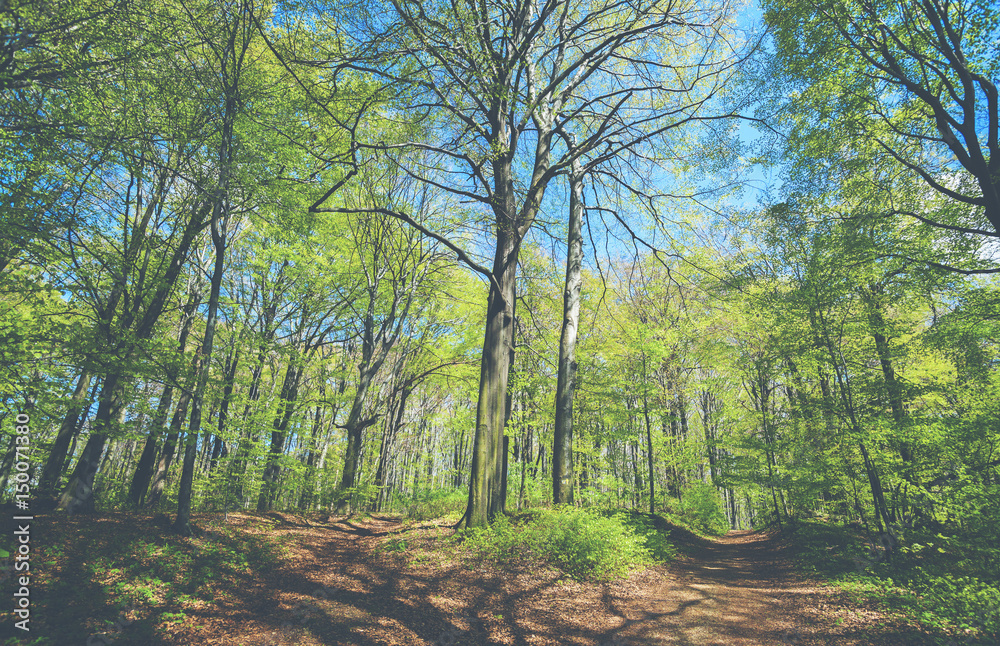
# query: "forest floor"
{"points": [[381, 581]]}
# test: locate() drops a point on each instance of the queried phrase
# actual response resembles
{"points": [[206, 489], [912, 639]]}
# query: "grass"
{"points": [[641, 524]]}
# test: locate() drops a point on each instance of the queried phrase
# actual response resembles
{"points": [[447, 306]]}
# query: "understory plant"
{"points": [[580, 542]]}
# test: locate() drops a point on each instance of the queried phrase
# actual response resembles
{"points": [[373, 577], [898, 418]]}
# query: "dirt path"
{"points": [[380, 582], [739, 590], [345, 587]]}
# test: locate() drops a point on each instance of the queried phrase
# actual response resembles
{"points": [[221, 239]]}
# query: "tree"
{"points": [[562, 442], [917, 78], [226, 53], [493, 84], [44, 43], [395, 263]]}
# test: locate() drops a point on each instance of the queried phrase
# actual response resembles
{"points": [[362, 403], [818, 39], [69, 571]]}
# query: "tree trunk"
{"points": [[308, 496], [354, 427], [144, 470], [229, 77], [49, 482], [147, 460], [394, 423], [286, 408], [649, 453], [78, 497], [637, 488], [493, 379], [874, 480], [232, 364], [238, 466], [562, 446], [892, 385], [202, 363], [169, 448]]}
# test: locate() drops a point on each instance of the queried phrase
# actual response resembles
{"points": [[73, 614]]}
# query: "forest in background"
{"points": [[503, 254]]}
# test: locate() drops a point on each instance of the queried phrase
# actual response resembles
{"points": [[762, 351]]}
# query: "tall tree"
{"points": [[562, 443], [227, 33], [918, 78], [500, 80]]}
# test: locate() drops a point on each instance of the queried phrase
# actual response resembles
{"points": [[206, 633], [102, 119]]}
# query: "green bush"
{"points": [[643, 525], [702, 506], [967, 603], [438, 503], [931, 578], [582, 543]]}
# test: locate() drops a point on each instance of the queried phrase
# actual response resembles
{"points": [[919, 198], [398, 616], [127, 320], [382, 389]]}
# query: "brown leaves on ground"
{"points": [[379, 581]]}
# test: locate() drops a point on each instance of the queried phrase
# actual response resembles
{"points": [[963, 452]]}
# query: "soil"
{"points": [[380, 581]]}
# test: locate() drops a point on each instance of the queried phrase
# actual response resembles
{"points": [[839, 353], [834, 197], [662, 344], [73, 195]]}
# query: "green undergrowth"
{"points": [[432, 504], [700, 510], [645, 526], [943, 580], [585, 544], [162, 570], [126, 579]]}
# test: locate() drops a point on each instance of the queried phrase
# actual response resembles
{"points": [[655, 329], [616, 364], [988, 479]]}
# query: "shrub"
{"points": [[582, 543], [701, 504], [428, 505], [656, 541], [968, 603], [930, 578]]}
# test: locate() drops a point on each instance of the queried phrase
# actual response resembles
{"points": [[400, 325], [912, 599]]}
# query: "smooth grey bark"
{"points": [[355, 427], [219, 225], [78, 497], [147, 459], [562, 445], [498, 340], [166, 458], [80, 423]]}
